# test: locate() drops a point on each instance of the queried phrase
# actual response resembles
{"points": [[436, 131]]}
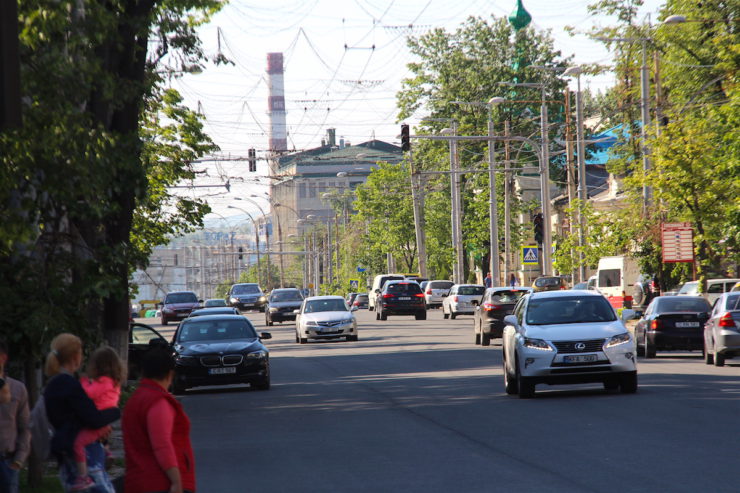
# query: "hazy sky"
{"points": [[344, 61]]}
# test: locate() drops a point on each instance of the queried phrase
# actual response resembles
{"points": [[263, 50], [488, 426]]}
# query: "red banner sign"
{"points": [[678, 242]]}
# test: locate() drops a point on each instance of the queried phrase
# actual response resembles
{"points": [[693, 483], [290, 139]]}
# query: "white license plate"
{"points": [[221, 371], [580, 358], [682, 325], [404, 298]]}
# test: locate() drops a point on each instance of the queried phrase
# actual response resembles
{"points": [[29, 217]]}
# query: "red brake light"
{"points": [[655, 324], [356, 303], [419, 295], [727, 321], [455, 298], [387, 295], [490, 306], [429, 291]]}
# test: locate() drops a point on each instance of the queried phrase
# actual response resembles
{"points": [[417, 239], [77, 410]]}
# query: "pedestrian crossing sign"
{"points": [[530, 255], [354, 284]]}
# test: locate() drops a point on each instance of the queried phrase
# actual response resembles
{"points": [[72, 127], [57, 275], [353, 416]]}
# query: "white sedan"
{"points": [[565, 337], [325, 317]]}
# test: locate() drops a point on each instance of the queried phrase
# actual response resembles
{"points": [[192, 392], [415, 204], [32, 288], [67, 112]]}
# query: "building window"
{"points": [[312, 190], [302, 190]]}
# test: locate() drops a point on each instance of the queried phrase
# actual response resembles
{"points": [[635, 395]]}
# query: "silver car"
{"points": [[325, 317], [722, 330], [460, 300], [564, 337], [435, 292]]}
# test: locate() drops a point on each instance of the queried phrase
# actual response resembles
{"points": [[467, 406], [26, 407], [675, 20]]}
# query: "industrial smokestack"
{"points": [[276, 103]]}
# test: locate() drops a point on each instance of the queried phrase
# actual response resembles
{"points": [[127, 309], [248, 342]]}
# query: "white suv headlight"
{"points": [[618, 339], [537, 344]]}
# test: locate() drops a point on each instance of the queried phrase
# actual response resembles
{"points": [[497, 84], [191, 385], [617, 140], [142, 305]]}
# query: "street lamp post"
{"points": [[267, 235], [257, 239], [456, 214]]}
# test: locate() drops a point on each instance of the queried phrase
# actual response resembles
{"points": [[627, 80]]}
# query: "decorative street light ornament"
{"points": [[519, 17]]}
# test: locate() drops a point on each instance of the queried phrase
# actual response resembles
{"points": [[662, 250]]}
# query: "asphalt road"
{"points": [[415, 406]]}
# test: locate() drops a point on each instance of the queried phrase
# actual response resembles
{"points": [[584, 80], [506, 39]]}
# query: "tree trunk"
{"points": [[32, 376]]}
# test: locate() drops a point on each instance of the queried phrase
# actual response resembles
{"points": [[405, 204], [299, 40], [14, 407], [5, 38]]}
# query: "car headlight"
{"points": [[312, 323], [273, 309], [618, 339], [262, 299], [234, 300], [537, 344], [257, 355], [347, 321], [185, 360], [167, 310]]}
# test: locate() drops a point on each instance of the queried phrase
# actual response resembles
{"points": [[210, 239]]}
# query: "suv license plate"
{"points": [[581, 358], [222, 371], [404, 298], [682, 325]]}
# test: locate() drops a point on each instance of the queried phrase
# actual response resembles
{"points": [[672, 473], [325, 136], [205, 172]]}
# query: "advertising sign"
{"points": [[678, 242]]}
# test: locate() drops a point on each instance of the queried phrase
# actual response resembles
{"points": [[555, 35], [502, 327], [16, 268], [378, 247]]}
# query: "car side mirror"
{"points": [[511, 320], [265, 335], [628, 314], [297, 311]]}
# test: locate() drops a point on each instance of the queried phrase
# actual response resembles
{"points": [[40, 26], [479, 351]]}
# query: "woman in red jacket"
{"points": [[156, 431]]}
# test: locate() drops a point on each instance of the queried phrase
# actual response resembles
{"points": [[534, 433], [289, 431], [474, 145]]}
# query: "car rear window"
{"points": [[569, 310], [440, 284], [673, 304], [547, 281], [509, 296], [181, 298], [609, 278], [733, 302], [471, 290], [361, 297], [215, 330], [403, 288], [689, 288]]}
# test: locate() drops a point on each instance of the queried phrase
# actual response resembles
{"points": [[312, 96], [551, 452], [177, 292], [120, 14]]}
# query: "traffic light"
{"points": [[538, 225], [241, 250], [252, 160], [405, 140]]}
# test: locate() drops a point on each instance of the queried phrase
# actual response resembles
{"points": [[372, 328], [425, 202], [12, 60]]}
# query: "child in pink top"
{"points": [[102, 384]]}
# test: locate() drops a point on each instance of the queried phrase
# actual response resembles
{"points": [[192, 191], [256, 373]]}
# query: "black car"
{"points": [[360, 301], [401, 298], [245, 296], [220, 350], [281, 304], [139, 338], [672, 323], [490, 310], [216, 310]]}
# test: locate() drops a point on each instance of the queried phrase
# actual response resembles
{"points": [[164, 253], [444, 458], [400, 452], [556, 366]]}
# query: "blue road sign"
{"points": [[530, 255]]}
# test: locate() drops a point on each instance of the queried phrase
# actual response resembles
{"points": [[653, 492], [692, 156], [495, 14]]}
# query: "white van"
{"points": [[715, 288], [615, 278], [377, 286]]}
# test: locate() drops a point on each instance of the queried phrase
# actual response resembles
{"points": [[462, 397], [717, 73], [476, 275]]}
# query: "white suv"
{"points": [[565, 337], [436, 291], [715, 288]]}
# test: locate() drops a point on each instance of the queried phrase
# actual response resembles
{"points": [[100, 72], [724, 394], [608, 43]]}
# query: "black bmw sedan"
{"points": [[220, 350]]}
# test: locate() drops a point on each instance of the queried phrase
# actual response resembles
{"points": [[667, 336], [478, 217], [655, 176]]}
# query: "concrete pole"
{"points": [[493, 208], [582, 182], [571, 176], [645, 114], [507, 208], [280, 249], [456, 211], [545, 187], [419, 222]]}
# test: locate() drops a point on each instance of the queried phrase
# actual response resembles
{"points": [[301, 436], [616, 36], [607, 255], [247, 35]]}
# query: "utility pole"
{"points": [[456, 211], [417, 196], [507, 206], [569, 166], [582, 183], [645, 113], [545, 186], [493, 208]]}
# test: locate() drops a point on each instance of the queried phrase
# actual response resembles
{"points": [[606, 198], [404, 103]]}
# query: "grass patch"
{"points": [[49, 484]]}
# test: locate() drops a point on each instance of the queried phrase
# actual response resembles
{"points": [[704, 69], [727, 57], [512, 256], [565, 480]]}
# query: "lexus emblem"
{"points": [[580, 346]]}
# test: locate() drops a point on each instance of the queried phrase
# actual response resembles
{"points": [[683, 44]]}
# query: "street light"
{"points": [[257, 236], [267, 234]]}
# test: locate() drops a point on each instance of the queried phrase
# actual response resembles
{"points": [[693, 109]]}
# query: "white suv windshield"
{"points": [[570, 310]]}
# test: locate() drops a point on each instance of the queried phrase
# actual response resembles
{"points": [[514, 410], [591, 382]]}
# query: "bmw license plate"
{"points": [[683, 325], [404, 298], [580, 358], [221, 371]]}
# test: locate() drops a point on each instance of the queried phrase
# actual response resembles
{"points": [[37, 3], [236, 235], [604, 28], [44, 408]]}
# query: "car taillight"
{"points": [[455, 299], [387, 295], [727, 321], [356, 303], [655, 325], [490, 306], [419, 295], [429, 291]]}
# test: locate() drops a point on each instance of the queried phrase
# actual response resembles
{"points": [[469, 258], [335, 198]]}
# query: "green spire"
{"points": [[519, 17]]}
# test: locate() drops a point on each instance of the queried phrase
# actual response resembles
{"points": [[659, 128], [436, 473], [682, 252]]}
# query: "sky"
{"points": [[344, 62]]}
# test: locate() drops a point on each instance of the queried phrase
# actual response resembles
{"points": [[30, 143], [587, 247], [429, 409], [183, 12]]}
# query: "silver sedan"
{"points": [[325, 317], [722, 330]]}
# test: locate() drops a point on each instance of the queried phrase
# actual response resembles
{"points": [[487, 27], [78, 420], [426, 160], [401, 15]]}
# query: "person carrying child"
{"points": [[105, 375]]}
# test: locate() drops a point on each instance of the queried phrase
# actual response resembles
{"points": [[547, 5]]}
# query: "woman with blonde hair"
{"points": [[69, 410]]}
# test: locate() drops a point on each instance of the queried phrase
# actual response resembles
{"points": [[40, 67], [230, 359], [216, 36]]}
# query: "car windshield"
{"points": [[403, 288], [361, 297], [330, 305], [674, 304], [245, 289], [689, 287], [180, 298], [733, 302], [215, 330], [569, 310], [471, 290], [440, 284], [286, 296], [218, 302], [511, 296], [547, 281]]}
